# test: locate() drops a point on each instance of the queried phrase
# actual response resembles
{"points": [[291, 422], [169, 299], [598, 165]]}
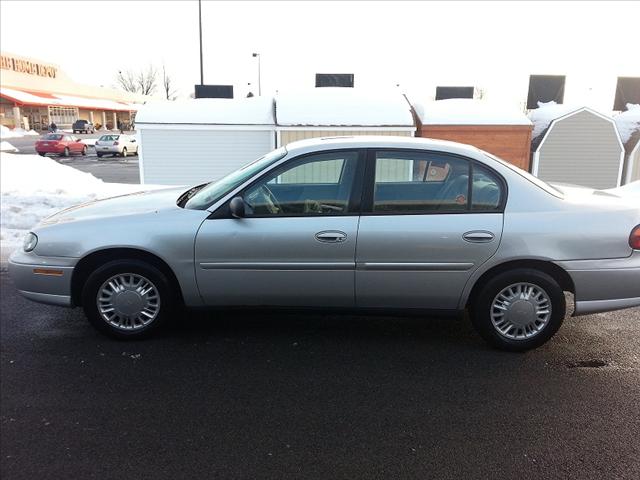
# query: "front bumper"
{"points": [[605, 285], [42, 279]]}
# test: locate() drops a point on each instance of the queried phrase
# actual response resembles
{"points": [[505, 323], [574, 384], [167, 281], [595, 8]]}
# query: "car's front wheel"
{"points": [[519, 309], [127, 299]]}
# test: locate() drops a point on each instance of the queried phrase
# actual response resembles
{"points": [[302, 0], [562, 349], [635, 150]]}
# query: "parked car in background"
{"points": [[60, 144], [83, 126], [116, 144], [375, 224]]}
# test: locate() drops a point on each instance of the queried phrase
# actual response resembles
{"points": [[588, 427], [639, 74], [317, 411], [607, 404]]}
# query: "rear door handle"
{"points": [[331, 236], [478, 236]]}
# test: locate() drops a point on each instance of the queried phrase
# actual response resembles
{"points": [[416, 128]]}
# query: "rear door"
{"points": [[429, 220], [295, 245]]}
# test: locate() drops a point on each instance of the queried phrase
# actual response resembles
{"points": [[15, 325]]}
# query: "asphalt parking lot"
{"points": [[109, 169], [264, 395]]}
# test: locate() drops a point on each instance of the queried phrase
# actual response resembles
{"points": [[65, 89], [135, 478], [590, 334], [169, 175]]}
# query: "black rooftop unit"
{"points": [[214, 91], [627, 91], [334, 79], [545, 88], [444, 93]]}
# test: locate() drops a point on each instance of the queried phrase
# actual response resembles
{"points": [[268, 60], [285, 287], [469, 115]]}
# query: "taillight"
{"points": [[116, 143], [634, 238]]}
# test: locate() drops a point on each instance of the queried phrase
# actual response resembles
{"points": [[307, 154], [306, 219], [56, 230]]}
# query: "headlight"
{"points": [[30, 242]]}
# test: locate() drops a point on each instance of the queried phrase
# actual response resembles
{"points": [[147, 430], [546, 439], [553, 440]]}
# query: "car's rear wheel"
{"points": [[84, 150], [519, 309], [99, 155], [66, 152], [124, 152], [127, 299], [42, 154]]}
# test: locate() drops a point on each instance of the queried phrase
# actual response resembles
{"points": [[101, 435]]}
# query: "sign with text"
{"points": [[21, 65]]}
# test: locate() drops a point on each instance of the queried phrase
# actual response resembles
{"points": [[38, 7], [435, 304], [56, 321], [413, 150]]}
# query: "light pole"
{"points": [[200, 25], [259, 84]]}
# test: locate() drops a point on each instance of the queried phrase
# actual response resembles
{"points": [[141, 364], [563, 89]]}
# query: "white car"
{"points": [[116, 144]]}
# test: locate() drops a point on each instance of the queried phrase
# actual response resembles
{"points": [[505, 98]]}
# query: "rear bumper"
{"points": [[605, 285], [42, 279], [108, 149]]}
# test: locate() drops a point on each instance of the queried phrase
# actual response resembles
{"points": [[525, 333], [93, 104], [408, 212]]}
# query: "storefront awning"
{"points": [[45, 99]]}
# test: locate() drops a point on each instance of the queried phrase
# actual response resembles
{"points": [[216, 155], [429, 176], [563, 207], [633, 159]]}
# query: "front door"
{"points": [[296, 243], [429, 221]]}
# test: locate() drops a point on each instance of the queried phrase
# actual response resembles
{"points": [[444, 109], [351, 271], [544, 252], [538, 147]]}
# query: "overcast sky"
{"points": [[491, 45]]}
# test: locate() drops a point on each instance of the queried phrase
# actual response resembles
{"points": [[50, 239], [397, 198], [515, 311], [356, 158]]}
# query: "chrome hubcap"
{"points": [[128, 301], [521, 311]]}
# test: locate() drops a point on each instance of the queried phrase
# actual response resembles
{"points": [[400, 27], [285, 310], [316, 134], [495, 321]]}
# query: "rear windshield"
{"points": [[535, 180], [109, 138], [82, 121], [53, 136]]}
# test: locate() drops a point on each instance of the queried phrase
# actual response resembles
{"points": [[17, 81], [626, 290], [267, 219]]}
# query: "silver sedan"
{"points": [[364, 223]]}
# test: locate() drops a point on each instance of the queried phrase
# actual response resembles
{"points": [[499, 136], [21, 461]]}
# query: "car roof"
{"points": [[372, 141]]}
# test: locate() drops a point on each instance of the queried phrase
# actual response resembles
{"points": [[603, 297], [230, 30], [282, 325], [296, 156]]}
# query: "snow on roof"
{"points": [[66, 100], [467, 111], [547, 113], [212, 111], [628, 121], [336, 106]]}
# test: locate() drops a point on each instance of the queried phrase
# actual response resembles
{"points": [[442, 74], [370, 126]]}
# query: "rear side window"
{"points": [[410, 182], [431, 182]]}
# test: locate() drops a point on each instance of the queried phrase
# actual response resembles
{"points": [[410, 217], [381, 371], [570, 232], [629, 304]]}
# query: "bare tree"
{"points": [[143, 81], [167, 84]]}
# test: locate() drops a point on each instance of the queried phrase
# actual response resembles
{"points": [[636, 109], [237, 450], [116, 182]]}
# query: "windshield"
{"points": [[535, 180], [214, 191]]}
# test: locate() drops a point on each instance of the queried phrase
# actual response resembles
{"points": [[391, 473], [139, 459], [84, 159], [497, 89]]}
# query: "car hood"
{"points": [[131, 204]]}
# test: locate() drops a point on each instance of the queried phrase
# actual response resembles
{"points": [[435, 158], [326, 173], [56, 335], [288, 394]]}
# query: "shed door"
{"points": [[189, 157]]}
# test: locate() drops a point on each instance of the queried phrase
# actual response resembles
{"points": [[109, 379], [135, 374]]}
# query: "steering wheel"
{"points": [[270, 200]]}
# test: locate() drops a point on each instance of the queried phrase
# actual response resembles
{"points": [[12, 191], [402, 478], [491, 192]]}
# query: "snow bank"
{"points": [[343, 107], [628, 121], [217, 111], [466, 111], [6, 133], [7, 147], [34, 187]]}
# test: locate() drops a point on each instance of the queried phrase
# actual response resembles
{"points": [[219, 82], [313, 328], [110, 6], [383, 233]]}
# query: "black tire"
{"points": [[84, 150], [480, 310], [124, 152], [42, 154], [101, 275], [66, 152], [99, 155]]}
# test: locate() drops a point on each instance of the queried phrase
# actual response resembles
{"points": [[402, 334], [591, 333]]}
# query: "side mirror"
{"points": [[237, 207]]}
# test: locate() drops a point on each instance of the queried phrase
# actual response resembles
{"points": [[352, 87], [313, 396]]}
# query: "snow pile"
{"points": [[546, 113], [628, 121], [34, 187], [6, 133], [467, 111], [216, 111], [335, 106], [7, 147]]}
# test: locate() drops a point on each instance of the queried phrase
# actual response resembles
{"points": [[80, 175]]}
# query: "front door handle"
{"points": [[331, 236], [478, 236]]}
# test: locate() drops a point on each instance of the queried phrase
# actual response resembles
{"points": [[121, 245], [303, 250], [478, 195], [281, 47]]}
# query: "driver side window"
{"points": [[318, 184]]}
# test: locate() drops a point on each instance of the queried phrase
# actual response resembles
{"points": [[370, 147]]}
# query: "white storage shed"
{"points": [[628, 123], [576, 146], [335, 111], [200, 140]]}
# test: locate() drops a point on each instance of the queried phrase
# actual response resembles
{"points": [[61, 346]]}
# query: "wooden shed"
{"points": [[201, 140], [501, 131], [582, 147], [334, 111], [628, 124]]}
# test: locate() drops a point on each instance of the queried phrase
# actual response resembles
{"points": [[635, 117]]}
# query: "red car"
{"points": [[60, 144]]}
